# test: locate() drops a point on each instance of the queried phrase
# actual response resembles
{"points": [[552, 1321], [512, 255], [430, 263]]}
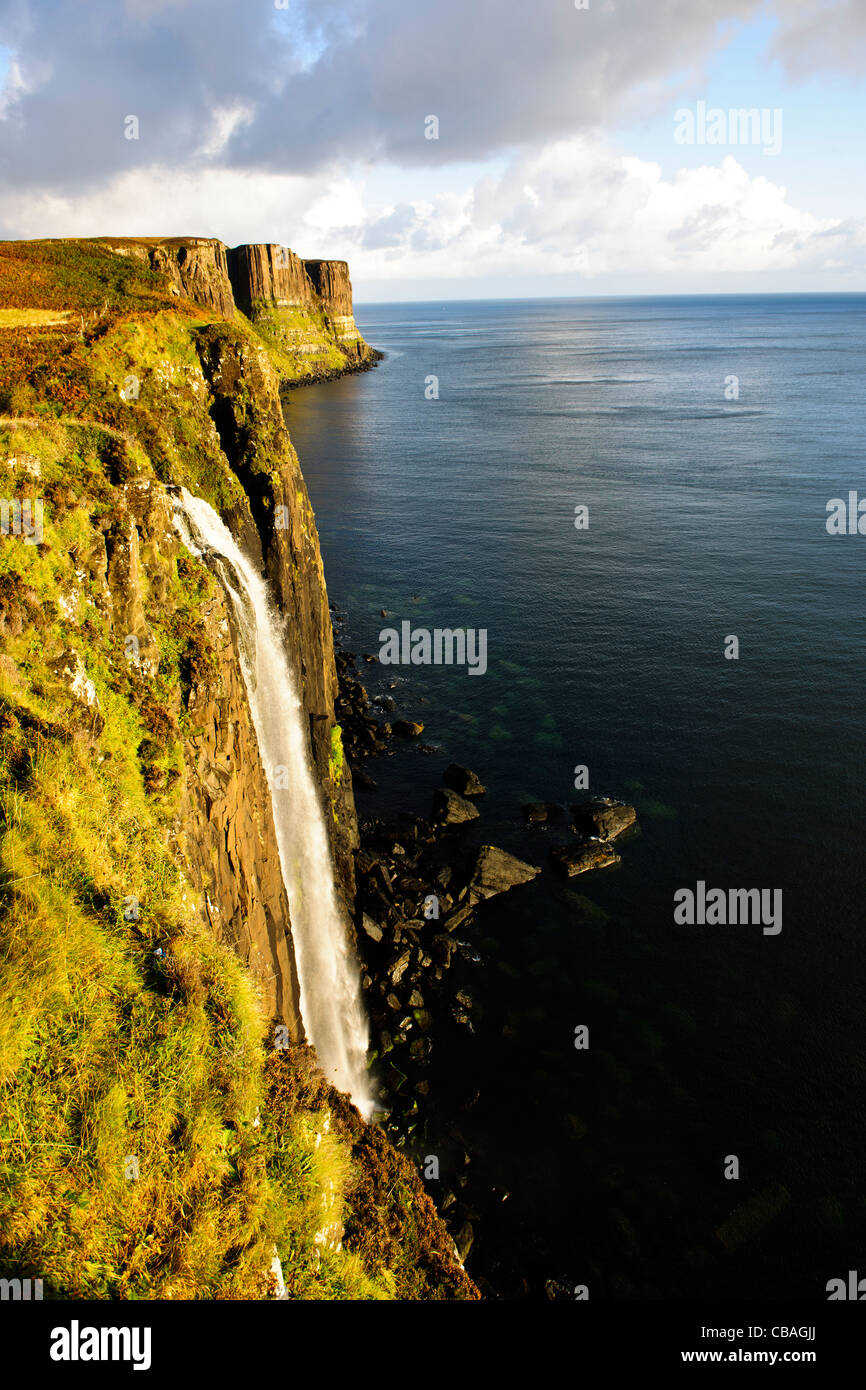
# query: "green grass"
{"points": [[335, 760], [110, 1052], [298, 339], [33, 318]]}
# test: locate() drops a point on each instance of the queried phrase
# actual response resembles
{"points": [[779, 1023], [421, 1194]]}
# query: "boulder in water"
{"points": [[540, 812], [462, 780], [603, 818], [494, 871], [451, 809], [581, 858], [407, 728]]}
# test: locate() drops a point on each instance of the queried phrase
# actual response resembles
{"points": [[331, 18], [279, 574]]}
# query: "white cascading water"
{"points": [[328, 975]]}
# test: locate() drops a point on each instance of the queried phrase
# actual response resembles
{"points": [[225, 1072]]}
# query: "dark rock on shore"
{"points": [[398, 966], [459, 916], [373, 930], [443, 948], [417, 895]]}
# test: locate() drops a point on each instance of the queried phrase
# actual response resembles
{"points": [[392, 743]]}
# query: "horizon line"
{"points": [[583, 298]]}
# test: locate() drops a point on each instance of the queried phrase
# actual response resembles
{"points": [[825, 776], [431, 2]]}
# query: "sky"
{"points": [[467, 149]]}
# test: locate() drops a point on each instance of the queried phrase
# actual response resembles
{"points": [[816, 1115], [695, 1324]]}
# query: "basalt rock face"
{"points": [[331, 282], [333, 286], [228, 836], [268, 274], [196, 267], [275, 524], [189, 722]]}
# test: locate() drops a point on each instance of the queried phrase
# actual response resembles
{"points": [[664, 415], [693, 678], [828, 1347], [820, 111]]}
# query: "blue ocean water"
{"points": [[606, 648]]}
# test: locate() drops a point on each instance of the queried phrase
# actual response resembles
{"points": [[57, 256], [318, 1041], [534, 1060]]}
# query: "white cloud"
{"points": [[579, 206], [224, 122], [575, 207], [340, 205], [236, 207]]}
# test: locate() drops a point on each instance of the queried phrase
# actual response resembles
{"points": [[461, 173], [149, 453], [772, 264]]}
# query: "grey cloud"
{"points": [[333, 80], [822, 36], [90, 65], [495, 73], [390, 230]]}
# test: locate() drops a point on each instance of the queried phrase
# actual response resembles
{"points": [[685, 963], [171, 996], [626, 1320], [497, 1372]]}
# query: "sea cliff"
{"points": [[168, 1127]]}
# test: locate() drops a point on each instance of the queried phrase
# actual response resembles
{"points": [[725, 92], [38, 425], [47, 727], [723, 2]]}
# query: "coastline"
{"points": [[319, 375]]}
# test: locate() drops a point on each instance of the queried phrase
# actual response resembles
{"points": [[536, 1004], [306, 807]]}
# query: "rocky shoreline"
{"points": [[418, 890], [316, 375]]}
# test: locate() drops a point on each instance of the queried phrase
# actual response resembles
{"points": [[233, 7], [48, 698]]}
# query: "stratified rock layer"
{"points": [[331, 282], [305, 305], [268, 274]]}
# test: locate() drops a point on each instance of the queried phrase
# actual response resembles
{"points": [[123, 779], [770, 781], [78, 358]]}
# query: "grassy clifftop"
{"points": [[158, 1136]]}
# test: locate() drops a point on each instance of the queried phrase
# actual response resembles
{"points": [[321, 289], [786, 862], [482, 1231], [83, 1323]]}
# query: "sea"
{"points": [[613, 490]]}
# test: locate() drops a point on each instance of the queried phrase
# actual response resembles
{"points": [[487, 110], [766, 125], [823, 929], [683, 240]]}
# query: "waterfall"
{"points": [[328, 975]]}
